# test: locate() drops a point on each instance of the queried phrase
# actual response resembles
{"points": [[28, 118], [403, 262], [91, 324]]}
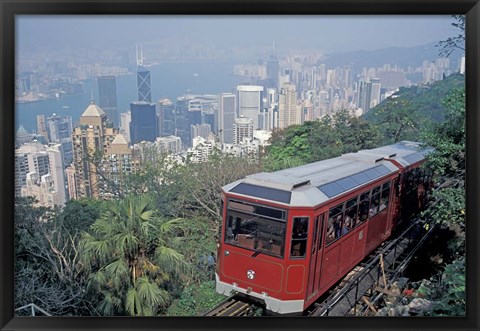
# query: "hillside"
{"points": [[414, 109]]}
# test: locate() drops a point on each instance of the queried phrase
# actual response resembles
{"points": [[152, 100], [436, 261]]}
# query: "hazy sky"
{"points": [[329, 33]]}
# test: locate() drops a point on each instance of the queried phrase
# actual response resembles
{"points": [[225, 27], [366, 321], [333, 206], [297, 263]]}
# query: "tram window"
{"points": [[384, 196], [375, 202], [335, 220], [351, 215], [364, 206], [299, 237], [248, 230]]}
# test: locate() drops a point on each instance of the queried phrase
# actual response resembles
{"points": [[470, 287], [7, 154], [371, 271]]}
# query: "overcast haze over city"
{"points": [[328, 33]]}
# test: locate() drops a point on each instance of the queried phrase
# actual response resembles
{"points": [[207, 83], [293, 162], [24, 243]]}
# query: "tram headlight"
{"points": [[250, 274]]}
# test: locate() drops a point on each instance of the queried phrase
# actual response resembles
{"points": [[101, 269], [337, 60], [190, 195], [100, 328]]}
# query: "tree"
{"points": [[396, 120], [457, 42], [329, 137], [48, 271], [129, 252]]}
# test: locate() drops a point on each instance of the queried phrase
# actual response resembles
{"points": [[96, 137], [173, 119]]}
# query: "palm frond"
{"points": [[150, 293], [132, 303], [117, 268], [106, 307], [96, 280], [170, 260]]}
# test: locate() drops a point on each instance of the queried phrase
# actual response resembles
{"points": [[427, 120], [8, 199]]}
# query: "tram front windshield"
{"points": [[256, 227]]}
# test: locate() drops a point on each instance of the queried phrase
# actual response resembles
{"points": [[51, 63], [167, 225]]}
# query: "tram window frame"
{"points": [[363, 209], [235, 218], [333, 214], [349, 205], [314, 234], [385, 196], [320, 234], [301, 241], [374, 202]]}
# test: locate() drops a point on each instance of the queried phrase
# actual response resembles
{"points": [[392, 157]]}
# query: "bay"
{"points": [[168, 80]]}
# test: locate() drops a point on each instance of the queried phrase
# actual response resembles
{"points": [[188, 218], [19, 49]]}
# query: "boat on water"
{"points": [[65, 107]]}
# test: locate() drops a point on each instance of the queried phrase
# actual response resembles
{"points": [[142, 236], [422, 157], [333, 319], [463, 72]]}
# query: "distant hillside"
{"points": [[425, 102], [401, 56]]}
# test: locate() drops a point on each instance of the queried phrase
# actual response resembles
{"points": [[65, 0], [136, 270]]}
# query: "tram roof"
{"points": [[315, 183], [404, 152]]}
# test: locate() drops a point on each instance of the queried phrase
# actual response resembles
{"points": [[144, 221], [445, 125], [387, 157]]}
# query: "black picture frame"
{"points": [[11, 8]]}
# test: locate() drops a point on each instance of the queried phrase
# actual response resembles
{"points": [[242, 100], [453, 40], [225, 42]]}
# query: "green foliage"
{"points": [[446, 290], [330, 137], [411, 112], [201, 241], [448, 139], [449, 206], [77, 215], [196, 300], [128, 250]]}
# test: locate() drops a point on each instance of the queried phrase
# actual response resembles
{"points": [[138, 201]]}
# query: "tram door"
{"points": [[315, 257]]}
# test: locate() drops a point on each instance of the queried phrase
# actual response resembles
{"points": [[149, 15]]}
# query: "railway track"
{"points": [[232, 306]]}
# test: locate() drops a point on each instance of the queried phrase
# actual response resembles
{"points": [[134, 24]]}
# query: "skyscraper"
{"points": [[143, 78], [364, 95], [376, 92], [166, 118], [143, 126], [226, 116], [250, 102], [41, 126], [107, 95]]}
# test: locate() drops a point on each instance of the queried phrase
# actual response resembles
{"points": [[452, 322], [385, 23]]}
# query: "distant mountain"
{"points": [[400, 56]]}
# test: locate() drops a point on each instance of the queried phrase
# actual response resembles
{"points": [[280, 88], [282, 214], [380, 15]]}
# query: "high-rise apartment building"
{"points": [[125, 119], [200, 130], [226, 115], [250, 102], [48, 189], [143, 126], [288, 112], [30, 158], [60, 132], [118, 162], [90, 141], [107, 98], [242, 130]]}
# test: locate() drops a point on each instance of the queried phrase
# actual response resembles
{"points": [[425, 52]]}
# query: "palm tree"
{"points": [[128, 251]]}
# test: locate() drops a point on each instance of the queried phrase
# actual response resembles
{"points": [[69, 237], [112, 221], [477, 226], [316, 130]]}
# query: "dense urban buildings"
{"points": [[107, 142]]}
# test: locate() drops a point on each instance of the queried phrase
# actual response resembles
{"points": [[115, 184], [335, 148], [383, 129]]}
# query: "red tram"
{"points": [[289, 235]]}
